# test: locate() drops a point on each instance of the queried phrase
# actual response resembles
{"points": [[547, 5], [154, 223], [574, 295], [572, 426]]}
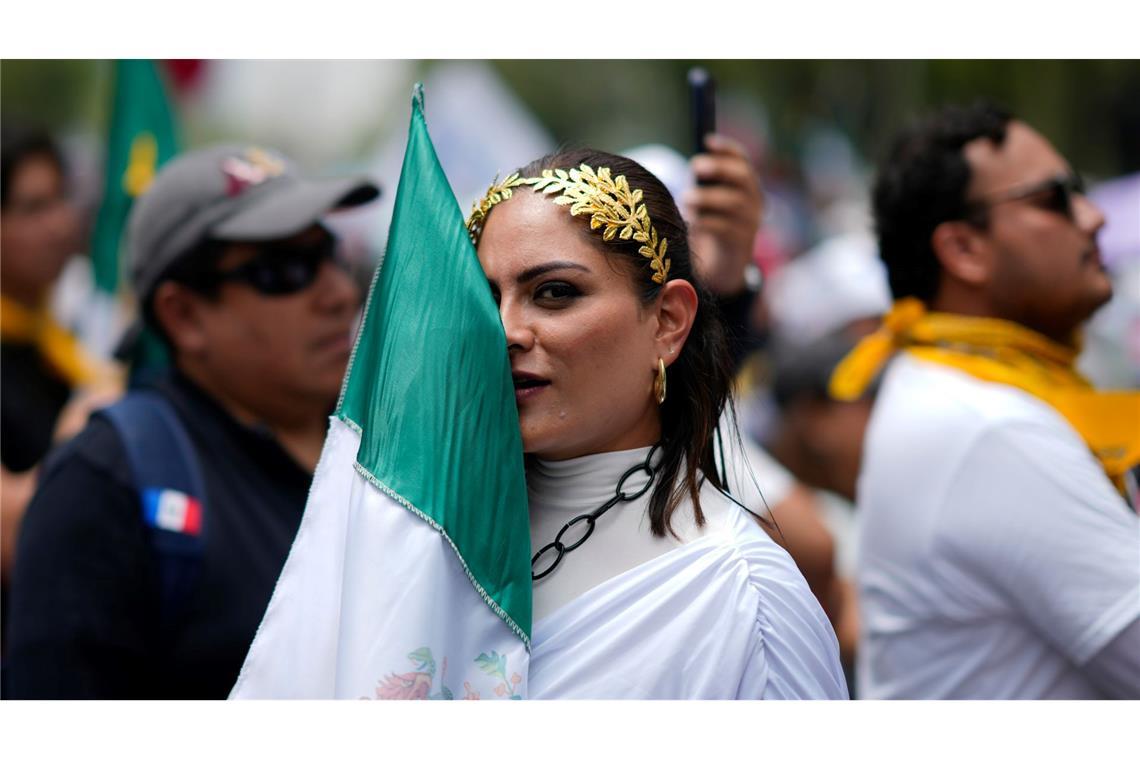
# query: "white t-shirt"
{"points": [[995, 558]]}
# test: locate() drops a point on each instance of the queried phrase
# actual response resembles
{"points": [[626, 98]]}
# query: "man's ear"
{"points": [[676, 311], [179, 312], [963, 252]]}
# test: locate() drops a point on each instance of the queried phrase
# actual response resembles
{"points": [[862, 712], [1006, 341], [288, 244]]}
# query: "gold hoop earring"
{"points": [[659, 382]]}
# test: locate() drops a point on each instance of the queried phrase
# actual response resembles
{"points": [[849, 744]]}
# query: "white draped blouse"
{"points": [[719, 612]]}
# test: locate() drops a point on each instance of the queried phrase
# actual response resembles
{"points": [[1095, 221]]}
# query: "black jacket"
{"points": [[85, 598]]}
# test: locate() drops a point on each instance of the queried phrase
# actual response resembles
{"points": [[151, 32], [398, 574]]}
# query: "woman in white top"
{"points": [[650, 580]]}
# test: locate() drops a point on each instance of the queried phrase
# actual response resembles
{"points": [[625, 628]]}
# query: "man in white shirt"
{"points": [[999, 556]]}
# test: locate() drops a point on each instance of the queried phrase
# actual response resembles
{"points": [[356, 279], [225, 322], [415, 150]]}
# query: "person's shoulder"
{"points": [[86, 489], [98, 446], [926, 391], [795, 641], [800, 648], [770, 568], [922, 403], [727, 526], [735, 537], [929, 419], [99, 449]]}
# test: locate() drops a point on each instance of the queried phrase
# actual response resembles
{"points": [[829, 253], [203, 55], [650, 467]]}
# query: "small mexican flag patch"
{"points": [[172, 510]]}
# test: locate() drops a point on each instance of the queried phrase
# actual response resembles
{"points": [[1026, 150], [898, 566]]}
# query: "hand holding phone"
{"points": [[726, 205], [702, 107]]}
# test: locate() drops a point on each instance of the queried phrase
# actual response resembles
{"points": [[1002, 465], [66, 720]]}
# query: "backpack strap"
{"points": [[171, 491]]}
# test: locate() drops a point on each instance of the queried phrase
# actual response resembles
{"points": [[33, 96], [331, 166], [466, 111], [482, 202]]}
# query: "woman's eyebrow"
{"points": [[527, 275]]}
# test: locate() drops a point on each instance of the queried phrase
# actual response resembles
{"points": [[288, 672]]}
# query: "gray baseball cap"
{"points": [[228, 192]]}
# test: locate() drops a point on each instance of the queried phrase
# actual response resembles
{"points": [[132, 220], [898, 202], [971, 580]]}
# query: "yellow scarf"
{"points": [[1003, 352], [61, 351]]}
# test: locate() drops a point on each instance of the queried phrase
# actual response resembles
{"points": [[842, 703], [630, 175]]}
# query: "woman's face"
{"points": [[583, 349]]}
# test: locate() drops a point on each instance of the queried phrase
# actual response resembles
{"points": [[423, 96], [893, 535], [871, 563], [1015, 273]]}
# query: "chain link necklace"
{"points": [[548, 557]]}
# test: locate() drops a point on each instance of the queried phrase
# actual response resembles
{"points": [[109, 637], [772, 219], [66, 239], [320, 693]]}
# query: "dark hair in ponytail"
{"points": [[699, 380]]}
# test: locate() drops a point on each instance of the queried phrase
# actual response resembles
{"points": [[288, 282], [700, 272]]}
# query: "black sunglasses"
{"points": [[1054, 194], [282, 268]]}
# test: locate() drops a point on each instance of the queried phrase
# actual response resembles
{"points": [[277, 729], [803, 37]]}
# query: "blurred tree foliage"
{"points": [[60, 93], [1089, 109]]}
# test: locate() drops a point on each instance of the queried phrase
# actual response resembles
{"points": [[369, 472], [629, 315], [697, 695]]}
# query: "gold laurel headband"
{"points": [[609, 202]]}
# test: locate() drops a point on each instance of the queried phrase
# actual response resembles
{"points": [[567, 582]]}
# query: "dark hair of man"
{"points": [[923, 184], [700, 379], [803, 372], [193, 270], [18, 143]]}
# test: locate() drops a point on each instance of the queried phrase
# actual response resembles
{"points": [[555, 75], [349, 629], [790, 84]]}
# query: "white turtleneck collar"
{"points": [[622, 539], [585, 483]]}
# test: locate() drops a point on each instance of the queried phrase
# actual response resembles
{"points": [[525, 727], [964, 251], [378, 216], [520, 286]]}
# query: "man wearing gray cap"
{"points": [[153, 544]]}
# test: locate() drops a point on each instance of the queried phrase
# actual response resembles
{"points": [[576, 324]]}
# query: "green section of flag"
{"points": [[430, 386], [141, 138]]}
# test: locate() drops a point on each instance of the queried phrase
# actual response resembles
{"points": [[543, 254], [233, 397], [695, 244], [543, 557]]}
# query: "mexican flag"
{"points": [[141, 138], [410, 574]]}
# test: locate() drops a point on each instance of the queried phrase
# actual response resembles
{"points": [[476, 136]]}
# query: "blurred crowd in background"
{"points": [[812, 130]]}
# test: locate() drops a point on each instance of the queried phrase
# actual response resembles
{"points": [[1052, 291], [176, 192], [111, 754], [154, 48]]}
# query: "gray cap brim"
{"points": [[289, 210]]}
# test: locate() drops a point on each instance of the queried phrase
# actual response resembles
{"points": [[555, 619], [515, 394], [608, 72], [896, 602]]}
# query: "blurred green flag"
{"points": [[141, 138]]}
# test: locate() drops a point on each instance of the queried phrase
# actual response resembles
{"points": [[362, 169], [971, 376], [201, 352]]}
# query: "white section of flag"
{"points": [[171, 511], [373, 602]]}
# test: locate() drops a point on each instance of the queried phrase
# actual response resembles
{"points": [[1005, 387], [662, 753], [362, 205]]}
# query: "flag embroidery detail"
{"points": [[172, 510]]}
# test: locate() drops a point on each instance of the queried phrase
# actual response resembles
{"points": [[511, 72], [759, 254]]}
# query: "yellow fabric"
{"points": [[1002, 352], [19, 324]]}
